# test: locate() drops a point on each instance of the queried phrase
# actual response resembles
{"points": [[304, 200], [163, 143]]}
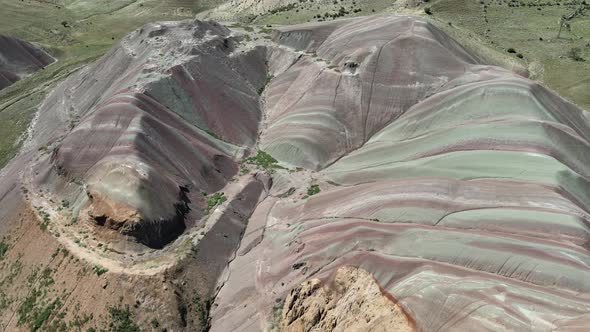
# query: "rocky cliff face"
{"points": [[352, 302], [401, 182]]}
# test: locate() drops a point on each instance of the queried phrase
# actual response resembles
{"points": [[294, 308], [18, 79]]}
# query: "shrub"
{"points": [[262, 88], [34, 311], [99, 270], [277, 311], [511, 50], [200, 310], [265, 30], [213, 134], [428, 10], [41, 317], [314, 189], [244, 170], [574, 54], [121, 320], [3, 248], [263, 160], [155, 323], [45, 222], [214, 200], [298, 265]]}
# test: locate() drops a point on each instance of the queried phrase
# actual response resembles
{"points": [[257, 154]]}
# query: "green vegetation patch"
{"points": [[3, 248], [200, 310], [530, 31], [99, 270], [575, 53], [155, 323], [44, 314], [266, 83], [15, 116], [34, 310], [79, 321], [45, 220], [214, 200], [266, 30], [263, 160], [214, 134], [9, 273], [244, 170], [313, 190], [277, 311], [311, 11], [121, 320], [46, 278]]}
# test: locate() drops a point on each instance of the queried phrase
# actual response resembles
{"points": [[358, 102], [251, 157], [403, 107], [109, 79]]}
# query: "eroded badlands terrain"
{"points": [[360, 174], [18, 59]]}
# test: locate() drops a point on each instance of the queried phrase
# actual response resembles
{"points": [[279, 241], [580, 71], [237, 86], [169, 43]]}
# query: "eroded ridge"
{"points": [[160, 121], [462, 188], [19, 58]]}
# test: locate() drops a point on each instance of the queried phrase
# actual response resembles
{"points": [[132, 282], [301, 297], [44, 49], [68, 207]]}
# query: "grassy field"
{"points": [[319, 10], [491, 28], [529, 28], [76, 32]]}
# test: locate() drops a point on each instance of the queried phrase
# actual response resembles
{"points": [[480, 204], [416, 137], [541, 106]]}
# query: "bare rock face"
{"points": [[353, 301], [127, 220], [18, 59], [115, 215]]}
